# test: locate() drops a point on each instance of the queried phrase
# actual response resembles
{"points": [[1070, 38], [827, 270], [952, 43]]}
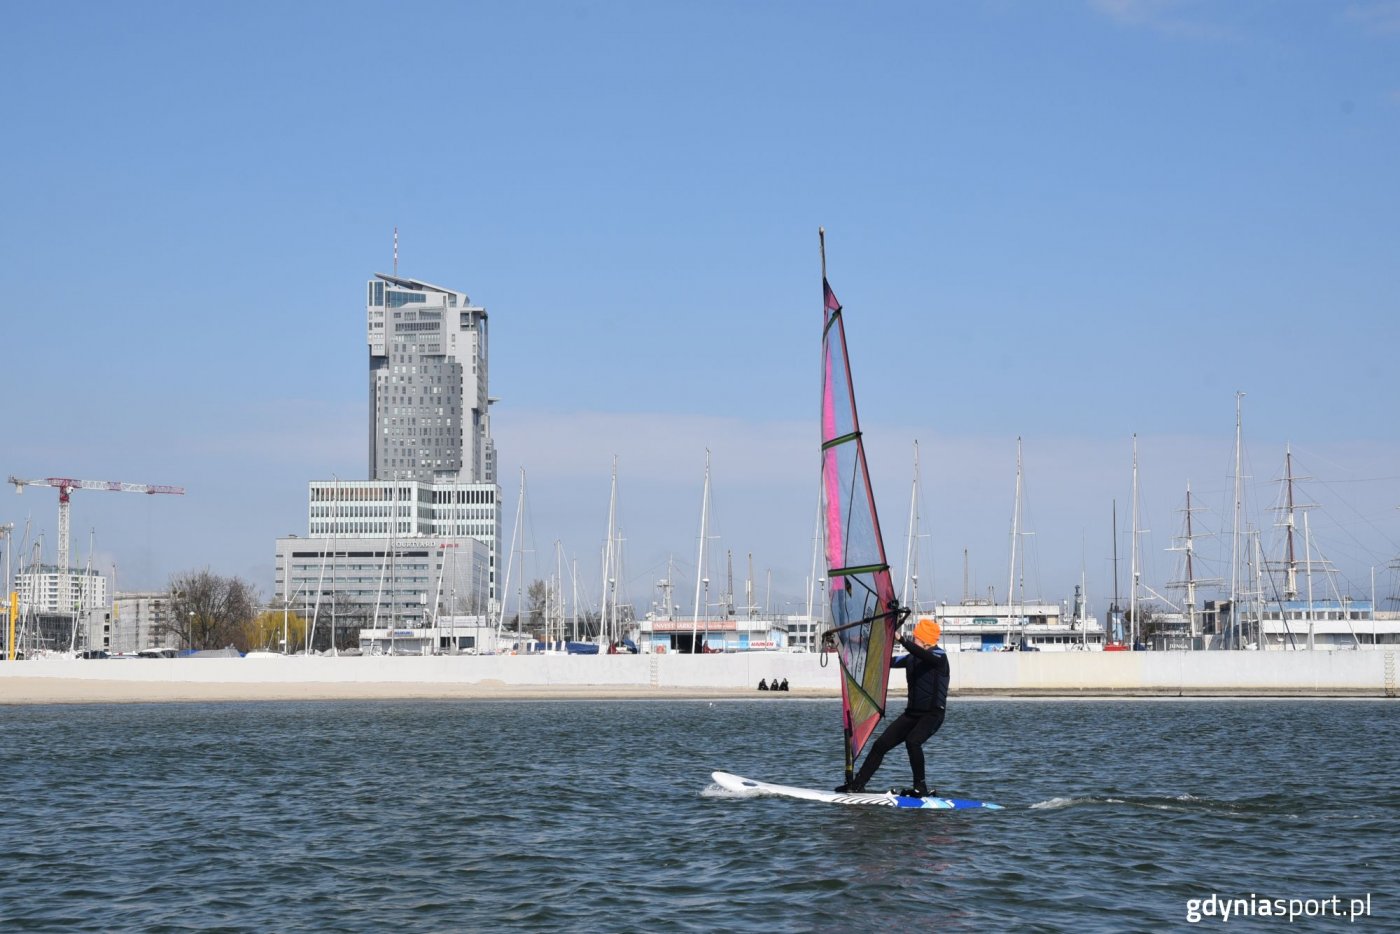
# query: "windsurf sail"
{"points": [[864, 612]]}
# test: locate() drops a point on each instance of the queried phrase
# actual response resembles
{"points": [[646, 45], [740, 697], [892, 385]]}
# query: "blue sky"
{"points": [[1068, 221]]}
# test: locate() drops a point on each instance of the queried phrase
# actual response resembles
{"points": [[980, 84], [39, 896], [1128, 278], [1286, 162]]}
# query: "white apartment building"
{"points": [[41, 589]]}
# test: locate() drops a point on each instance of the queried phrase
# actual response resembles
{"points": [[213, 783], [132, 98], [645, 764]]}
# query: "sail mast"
{"points": [[865, 613]]}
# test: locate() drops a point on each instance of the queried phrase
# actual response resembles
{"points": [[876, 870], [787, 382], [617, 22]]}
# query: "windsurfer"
{"points": [[926, 668]]}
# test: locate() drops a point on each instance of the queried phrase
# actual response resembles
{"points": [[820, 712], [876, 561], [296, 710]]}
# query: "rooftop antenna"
{"points": [[396, 252]]}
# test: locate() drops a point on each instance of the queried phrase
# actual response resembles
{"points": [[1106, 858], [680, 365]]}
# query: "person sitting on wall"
{"points": [[783, 686], [762, 684]]}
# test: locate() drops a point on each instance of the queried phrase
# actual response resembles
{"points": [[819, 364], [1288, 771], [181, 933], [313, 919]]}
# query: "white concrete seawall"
{"points": [[1176, 673], [1360, 673]]}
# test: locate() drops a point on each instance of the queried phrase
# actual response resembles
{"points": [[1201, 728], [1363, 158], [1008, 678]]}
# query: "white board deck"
{"points": [[749, 786]]}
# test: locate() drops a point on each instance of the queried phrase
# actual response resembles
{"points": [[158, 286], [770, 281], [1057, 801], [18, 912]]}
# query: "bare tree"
{"points": [[208, 611], [1150, 621], [535, 597], [351, 616]]}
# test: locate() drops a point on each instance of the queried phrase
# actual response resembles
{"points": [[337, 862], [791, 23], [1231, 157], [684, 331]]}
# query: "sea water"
{"points": [[600, 816]]}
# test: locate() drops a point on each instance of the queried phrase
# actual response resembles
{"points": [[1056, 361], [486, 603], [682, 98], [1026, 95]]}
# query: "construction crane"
{"points": [[65, 489]]}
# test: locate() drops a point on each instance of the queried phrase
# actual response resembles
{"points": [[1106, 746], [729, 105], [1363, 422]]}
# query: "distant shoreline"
{"points": [[1019, 675], [21, 691]]}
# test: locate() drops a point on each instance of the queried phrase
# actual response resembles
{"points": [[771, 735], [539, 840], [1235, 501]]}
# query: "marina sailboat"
{"points": [[985, 624]]}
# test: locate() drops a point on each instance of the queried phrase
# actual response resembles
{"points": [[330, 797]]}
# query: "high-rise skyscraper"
{"points": [[410, 552], [429, 406]]}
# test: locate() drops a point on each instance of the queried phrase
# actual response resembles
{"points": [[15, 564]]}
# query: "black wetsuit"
{"points": [[927, 672]]}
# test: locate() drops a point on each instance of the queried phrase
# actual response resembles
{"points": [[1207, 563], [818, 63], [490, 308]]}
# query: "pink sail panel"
{"points": [[830, 480], [860, 590]]}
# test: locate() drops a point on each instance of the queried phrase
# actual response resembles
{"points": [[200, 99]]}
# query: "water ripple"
{"points": [[599, 816]]}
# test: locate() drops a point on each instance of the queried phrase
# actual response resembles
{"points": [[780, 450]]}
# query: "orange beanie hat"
{"points": [[927, 631]]}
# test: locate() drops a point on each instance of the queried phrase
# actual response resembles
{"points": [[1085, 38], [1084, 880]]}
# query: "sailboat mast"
{"points": [[335, 550], [608, 570], [1257, 593], [812, 579], [911, 548], [1135, 571], [520, 584], [700, 556], [510, 562], [1235, 555], [1307, 550], [729, 583], [393, 568], [1015, 529], [1190, 571], [1011, 594], [668, 608], [1113, 612], [83, 597], [751, 611], [452, 597], [1290, 588], [1083, 605]]}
